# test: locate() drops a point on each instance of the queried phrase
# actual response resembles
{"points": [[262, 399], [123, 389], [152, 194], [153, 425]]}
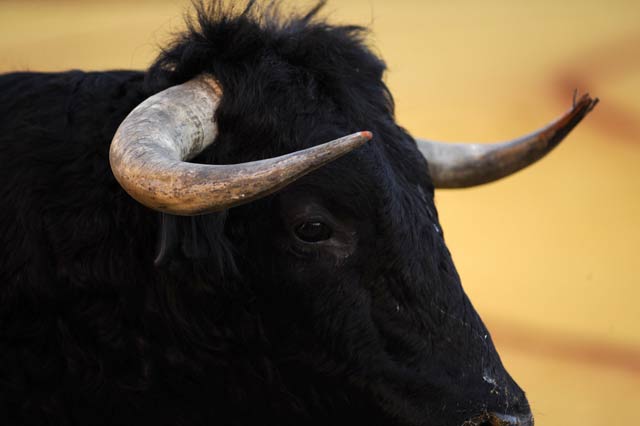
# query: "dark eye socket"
{"points": [[313, 232]]}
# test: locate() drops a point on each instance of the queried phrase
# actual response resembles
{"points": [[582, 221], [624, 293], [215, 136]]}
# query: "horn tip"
{"points": [[367, 135], [585, 101]]}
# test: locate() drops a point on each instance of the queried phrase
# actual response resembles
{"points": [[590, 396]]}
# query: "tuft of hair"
{"points": [[229, 35]]}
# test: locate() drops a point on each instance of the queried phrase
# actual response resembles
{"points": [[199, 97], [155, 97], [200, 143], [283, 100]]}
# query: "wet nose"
{"points": [[497, 419]]}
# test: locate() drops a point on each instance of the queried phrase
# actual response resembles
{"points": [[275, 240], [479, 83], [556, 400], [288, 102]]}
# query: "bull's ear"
{"points": [[189, 237], [168, 241]]}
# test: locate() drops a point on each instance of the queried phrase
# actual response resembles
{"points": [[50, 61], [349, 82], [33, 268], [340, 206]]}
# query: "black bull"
{"points": [[333, 300]]}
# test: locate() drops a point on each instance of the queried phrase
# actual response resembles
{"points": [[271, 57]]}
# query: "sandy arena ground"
{"points": [[550, 255]]}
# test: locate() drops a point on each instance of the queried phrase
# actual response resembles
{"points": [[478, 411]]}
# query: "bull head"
{"points": [[149, 157]]}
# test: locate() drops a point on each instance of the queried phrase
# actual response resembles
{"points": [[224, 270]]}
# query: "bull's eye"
{"points": [[313, 232]]}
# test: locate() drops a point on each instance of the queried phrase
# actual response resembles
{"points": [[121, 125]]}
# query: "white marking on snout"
{"points": [[487, 378]]}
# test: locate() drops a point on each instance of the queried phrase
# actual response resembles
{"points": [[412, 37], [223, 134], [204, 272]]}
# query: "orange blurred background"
{"points": [[549, 256]]}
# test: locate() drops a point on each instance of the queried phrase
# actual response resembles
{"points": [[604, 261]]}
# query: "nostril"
{"points": [[497, 419], [511, 420]]}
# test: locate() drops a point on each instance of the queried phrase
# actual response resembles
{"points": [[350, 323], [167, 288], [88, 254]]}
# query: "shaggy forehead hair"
{"points": [[278, 66]]}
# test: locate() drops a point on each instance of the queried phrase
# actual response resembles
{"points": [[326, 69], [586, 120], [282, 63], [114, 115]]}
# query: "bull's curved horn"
{"points": [[461, 165], [149, 152]]}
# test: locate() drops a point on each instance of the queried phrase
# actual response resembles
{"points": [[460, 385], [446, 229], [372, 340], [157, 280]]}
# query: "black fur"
{"points": [[231, 326]]}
